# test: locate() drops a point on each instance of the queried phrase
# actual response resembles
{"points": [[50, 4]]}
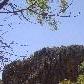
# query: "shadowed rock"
{"points": [[46, 66]]}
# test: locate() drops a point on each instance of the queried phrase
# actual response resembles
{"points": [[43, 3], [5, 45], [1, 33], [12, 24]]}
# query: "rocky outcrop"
{"points": [[46, 66], [1, 81]]}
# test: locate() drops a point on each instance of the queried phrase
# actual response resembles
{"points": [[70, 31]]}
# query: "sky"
{"points": [[70, 32]]}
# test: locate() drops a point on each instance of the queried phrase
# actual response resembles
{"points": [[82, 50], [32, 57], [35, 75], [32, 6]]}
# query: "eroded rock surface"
{"points": [[46, 66]]}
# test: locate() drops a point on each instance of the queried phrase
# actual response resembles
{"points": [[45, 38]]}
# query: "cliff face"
{"points": [[46, 66]]}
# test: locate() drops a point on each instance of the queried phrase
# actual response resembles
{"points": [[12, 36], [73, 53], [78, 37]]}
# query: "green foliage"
{"points": [[38, 5], [63, 5], [66, 82], [42, 10], [47, 11], [80, 79], [39, 9], [81, 68], [41, 3]]}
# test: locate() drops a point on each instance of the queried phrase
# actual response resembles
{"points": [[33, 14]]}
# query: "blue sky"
{"points": [[70, 32]]}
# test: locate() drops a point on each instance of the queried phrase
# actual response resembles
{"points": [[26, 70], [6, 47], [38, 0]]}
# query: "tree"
{"points": [[6, 49], [3, 3], [42, 10]]}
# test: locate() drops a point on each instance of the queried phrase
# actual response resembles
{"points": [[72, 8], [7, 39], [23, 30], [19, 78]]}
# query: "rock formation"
{"points": [[46, 66]]}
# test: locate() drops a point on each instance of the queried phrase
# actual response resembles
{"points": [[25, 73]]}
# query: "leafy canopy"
{"points": [[42, 10]]}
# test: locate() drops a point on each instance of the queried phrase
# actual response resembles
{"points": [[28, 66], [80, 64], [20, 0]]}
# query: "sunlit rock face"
{"points": [[46, 66]]}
